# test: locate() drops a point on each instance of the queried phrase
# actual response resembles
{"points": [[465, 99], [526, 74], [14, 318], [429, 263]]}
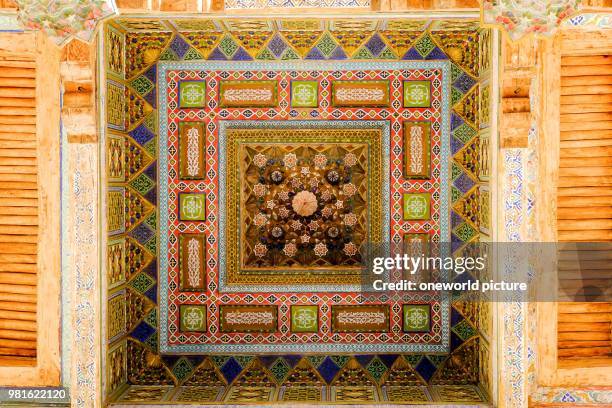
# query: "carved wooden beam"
{"points": [[178, 5], [130, 6], [78, 108], [519, 62]]}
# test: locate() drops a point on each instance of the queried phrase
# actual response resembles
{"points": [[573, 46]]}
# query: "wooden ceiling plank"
{"points": [[18, 278], [586, 60], [18, 267], [17, 297], [22, 325], [585, 181], [18, 334], [585, 191]]}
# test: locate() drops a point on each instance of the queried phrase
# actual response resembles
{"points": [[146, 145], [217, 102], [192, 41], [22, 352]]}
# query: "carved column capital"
{"points": [[520, 18], [63, 20]]}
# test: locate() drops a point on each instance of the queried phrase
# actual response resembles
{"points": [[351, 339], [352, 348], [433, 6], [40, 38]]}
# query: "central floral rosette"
{"points": [[305, 208], [304, 203]]}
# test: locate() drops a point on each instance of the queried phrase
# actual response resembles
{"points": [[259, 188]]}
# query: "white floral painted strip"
{"points": [[193, 152], [265, 4], [361, 318], [193, 262], [255, 94], [360, 94], [249, 318]]}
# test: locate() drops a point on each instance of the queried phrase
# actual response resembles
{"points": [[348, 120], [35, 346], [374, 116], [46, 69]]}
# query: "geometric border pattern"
{"points": [[164, 67], [421, 41]]}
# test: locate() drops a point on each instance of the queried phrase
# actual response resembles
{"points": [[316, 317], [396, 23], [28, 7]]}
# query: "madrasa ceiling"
{"points": [[248, 163]]}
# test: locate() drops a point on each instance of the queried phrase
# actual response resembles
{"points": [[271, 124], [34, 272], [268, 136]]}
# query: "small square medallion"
{"points": [[417, 94], [192, 318], [416, 318], [192, 206], [417, 206], [304, 318], [304, 94], [192, 94]]}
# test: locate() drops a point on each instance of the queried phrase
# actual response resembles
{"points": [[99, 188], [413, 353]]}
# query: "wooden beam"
{"points": [[578, 42], [178, 5], [48, 114], [78, 112]]}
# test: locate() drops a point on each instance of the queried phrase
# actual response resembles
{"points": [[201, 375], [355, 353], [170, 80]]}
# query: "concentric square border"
{"points": [[224, 126], [164, 67]]}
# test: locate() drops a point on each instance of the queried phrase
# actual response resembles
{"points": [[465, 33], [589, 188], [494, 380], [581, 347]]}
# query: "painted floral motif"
{"points": [[290, 249], [193, 262], [360, 94], [304, 318], [239, 95], [416, 149], [193, 153], [417, 317], [249, 317], [283, 212], [260, 160], [599, 20], [523, 17], [361, 317], [64, 19], [350, 249], [260, 250], [192, 94], [320, 249], [260, 220], [418, 93], [320, 160], [290, 160], [350, 159], [306, 207], [193, 318], [349, 189], [259, 190], [350, 219]]}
